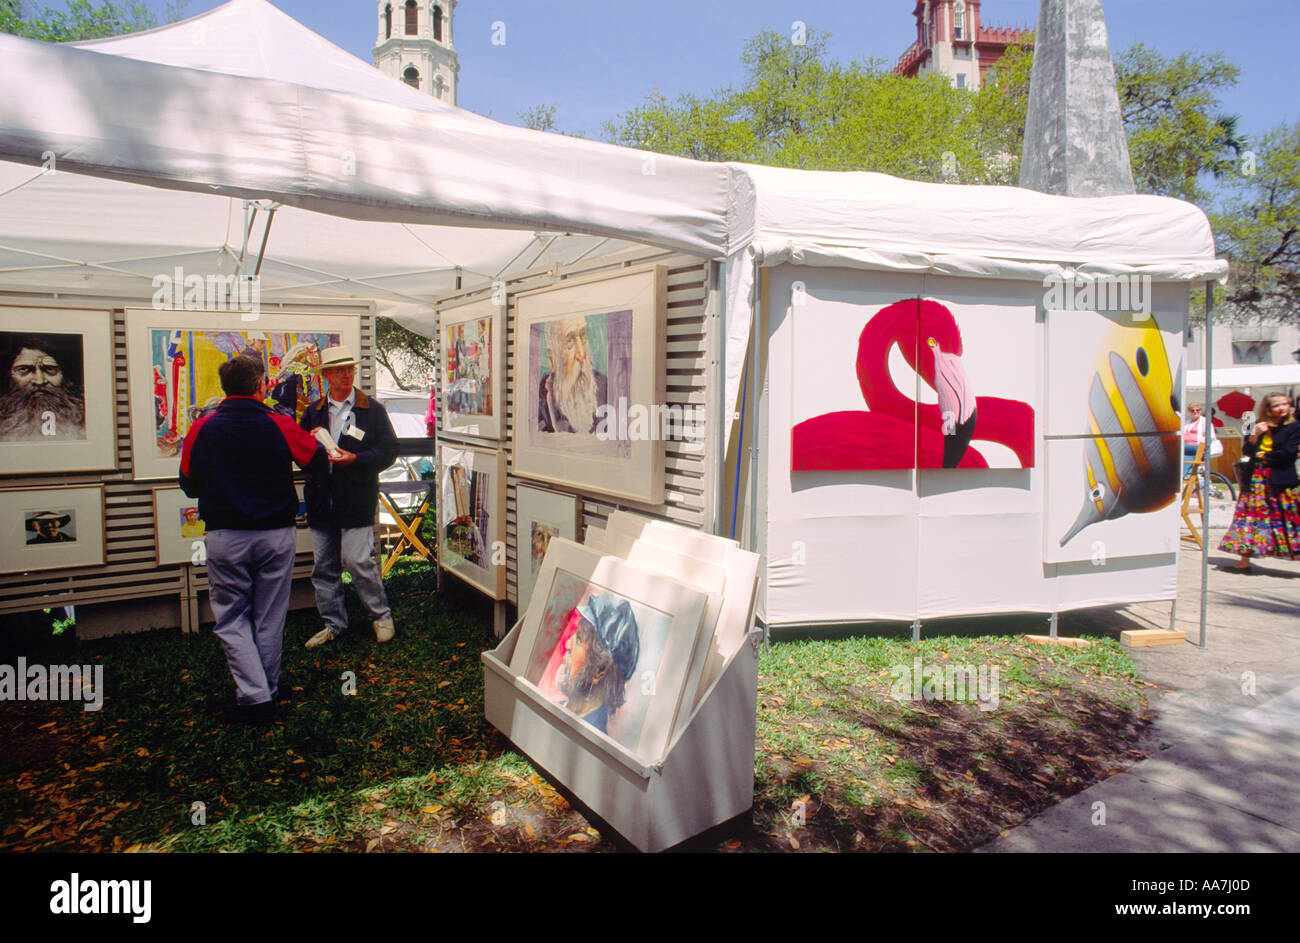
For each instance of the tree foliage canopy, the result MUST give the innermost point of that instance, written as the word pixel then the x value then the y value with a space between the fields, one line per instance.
pixel 80 19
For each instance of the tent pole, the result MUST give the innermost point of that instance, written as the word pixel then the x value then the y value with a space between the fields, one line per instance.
pixel 266 235
pixel 250 215
pixel 755 312
pixel 718 383
pixel 1208 412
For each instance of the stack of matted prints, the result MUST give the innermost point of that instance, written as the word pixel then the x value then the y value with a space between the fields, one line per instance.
pixel 628 632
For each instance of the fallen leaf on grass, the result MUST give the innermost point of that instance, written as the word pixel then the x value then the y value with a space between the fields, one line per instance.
pixel 528 828
pixel 431 809
pixel 794 843
pixel 388 829
pixel 370 845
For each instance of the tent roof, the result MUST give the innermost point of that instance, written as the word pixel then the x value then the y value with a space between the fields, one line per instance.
pixel 244 102
pixel 1281 374
pixel 254 39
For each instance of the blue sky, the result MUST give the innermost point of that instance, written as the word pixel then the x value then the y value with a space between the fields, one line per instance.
pixel 596 58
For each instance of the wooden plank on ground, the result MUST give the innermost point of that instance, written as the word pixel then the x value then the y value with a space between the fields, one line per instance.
pixel 1146 638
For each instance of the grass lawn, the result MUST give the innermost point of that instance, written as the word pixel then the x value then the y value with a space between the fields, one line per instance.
pixel 407 762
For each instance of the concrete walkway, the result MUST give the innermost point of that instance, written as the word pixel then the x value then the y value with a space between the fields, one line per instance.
pixel 1225 774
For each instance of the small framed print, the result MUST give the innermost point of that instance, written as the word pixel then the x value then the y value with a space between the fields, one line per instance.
pixel 540 515
pixel 56 391
pixel 471 516
pixel 179 532
pixel 51 528
pixel 473 369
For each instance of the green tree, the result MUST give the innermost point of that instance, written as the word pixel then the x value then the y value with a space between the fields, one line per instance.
pixel 82 19
pixel 1258 226
pixel 406 355
pixel 1176 134
pixel 797 108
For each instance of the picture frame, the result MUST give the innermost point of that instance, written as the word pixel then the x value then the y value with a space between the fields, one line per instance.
pixel 179 537
pixel 70 425
pixel 540 515
pixel 472 516
pixel 472 374
pixel 653 624
pixel 172 359
pixel 574 346
pixel 51 528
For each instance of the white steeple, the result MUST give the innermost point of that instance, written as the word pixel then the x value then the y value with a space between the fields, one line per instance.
pixel 415 45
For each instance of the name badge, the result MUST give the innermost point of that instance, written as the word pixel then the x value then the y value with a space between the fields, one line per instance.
pixel 355 432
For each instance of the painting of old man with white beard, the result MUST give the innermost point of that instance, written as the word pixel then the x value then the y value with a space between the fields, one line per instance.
pixel 570 393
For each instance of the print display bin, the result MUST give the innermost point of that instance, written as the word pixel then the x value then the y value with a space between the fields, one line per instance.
pixel 705 778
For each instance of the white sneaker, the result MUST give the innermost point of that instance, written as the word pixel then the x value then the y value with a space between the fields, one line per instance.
pixel 384 629
pixel 320 638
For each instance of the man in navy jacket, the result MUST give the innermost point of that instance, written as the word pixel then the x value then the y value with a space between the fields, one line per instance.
pixel 238 461
pixel 342 499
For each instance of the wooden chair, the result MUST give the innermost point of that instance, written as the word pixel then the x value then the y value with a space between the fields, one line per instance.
pixel 1192 488
pixel 408 522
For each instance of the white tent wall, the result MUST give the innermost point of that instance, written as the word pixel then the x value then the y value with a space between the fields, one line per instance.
pixel 846 547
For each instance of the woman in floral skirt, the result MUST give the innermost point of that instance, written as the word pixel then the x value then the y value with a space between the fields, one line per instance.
pixel 1266 522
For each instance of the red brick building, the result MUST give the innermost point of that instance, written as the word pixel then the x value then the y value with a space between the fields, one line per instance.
pixel 951 39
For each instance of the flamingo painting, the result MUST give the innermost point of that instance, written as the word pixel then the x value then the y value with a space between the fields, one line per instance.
pixel 895 431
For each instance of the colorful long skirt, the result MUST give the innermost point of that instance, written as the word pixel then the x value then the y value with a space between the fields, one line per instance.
pixel 1266 522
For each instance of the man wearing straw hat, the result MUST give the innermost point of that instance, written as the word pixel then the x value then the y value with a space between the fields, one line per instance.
pixel 342 500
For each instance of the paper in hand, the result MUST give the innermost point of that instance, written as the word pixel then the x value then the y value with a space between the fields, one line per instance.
pixel 324 438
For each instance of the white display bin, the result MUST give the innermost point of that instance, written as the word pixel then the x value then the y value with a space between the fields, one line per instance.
pixel 706 777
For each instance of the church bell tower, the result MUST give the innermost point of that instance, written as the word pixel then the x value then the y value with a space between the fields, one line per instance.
pixel 415 45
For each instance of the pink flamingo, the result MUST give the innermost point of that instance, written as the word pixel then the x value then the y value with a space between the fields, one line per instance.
pixel 897 432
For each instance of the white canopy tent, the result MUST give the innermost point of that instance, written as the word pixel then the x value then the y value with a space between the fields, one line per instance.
pixel 387 194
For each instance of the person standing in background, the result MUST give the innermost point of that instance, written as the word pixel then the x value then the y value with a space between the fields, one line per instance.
pixel 1266 522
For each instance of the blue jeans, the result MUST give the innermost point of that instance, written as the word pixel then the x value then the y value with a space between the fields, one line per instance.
pixel 250 573
pixel 352 549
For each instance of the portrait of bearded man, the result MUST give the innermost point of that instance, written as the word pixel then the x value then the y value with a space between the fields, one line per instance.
pixel 569 395
pixel 600 656
pixel 42 396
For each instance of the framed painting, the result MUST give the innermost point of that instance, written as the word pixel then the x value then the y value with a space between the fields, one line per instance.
pixel 540 515
pixel 51 528
pixel 172 360
pixel 1114 372
pixel 588 413
pixel 473 369
pixel 56 391
pixel 179 532
pixel 611 644
pixel 1111 496
pixel 471 516
pixel 919 383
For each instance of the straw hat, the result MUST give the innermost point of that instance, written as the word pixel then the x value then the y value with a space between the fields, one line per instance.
pixel 340 356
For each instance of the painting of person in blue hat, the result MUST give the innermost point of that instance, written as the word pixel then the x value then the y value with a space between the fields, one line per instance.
pixel 599 659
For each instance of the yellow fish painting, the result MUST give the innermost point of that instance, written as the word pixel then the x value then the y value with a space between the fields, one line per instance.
pixel 1131 465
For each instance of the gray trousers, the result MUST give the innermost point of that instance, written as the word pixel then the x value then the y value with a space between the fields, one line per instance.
pixel 352 549
pixel 250 573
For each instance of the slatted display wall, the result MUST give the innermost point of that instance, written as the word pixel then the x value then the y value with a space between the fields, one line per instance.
pixel 686 481
pixel 130 571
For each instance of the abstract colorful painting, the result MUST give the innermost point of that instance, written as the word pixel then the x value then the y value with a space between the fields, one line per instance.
pixel 174 356
pixel 472 369
pixel 186 386
pixel 944 386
